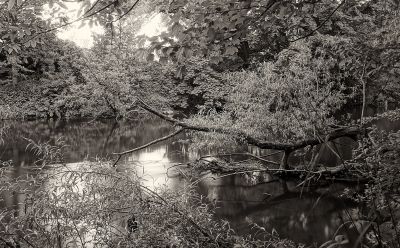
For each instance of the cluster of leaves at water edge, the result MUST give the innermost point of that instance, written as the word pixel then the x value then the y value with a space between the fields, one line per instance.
pixel 88 204
pixel 378 156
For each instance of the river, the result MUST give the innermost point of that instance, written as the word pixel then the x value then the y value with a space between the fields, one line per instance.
pixel 304 214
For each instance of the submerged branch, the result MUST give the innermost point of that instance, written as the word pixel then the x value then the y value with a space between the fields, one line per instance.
pixel 243 154
pixel 336 173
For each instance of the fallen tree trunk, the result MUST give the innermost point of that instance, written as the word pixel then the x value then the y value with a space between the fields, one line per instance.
pixel 288 148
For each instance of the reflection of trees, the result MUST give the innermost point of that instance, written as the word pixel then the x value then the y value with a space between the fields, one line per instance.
pixel 84 139
pixel 13 200
pixel 102 138
pixel 308 216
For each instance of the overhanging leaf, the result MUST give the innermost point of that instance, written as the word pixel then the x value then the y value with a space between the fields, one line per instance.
pixel 11 4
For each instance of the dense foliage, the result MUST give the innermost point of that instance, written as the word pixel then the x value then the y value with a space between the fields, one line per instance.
pixel 92 204
pixel 357 39
pixel 378 155
pixel 269 70
pixel 292 98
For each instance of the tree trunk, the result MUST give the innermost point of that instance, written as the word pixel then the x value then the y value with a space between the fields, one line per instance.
pixel 363 101
pixel 284 163
pixel 14 69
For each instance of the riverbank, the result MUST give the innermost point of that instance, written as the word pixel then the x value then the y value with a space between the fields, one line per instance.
pixel 49 99
pixel 58 99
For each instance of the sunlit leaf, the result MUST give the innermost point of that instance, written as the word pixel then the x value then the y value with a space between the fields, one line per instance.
pixel 230 50
pixel 11 4
pixel 62 5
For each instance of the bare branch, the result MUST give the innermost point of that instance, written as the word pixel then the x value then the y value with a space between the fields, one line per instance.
pixel 127 12
pixel 84 16
pixel 120 154
pixel 321 25
pixel 244 154
pixel 203 231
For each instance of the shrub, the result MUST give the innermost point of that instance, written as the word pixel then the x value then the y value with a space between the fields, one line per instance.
pixel 93 204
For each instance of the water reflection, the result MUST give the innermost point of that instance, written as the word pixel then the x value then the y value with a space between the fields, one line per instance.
pixel 303 214
pixel 151 165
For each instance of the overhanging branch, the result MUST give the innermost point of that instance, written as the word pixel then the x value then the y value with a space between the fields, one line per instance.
pixel 321 25
pixel 120 154
pixel 288 147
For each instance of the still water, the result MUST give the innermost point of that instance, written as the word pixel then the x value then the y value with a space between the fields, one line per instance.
pixel 249 202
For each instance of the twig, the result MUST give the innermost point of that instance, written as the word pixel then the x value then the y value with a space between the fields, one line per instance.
pixel 127 12
pixel 29 243
pixel 120 154
pixel 77 232
pixel 8 244
pixel 392 218
pixel 361 235
pixel 363 91
pixel 320 26
pixel 303 183
pixel 84 16
pixel 334 170
pixel 263 156
pixel 245 154
pixel 175 209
